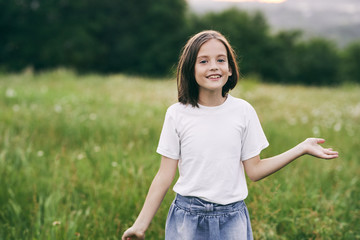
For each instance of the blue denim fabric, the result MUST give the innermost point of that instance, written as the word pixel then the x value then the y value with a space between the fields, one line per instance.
pixel 192 218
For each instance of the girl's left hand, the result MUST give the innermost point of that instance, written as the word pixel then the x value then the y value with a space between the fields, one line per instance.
pixel 312 147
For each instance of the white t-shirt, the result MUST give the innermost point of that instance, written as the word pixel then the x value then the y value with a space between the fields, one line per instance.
pixel 210 143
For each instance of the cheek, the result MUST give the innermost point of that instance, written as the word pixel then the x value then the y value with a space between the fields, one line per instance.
pixel 198 70
pixel 196 75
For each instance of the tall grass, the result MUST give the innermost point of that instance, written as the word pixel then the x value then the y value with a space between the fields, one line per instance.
pixel 77 155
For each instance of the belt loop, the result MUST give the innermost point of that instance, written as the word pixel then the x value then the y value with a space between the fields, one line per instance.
pixel 209 207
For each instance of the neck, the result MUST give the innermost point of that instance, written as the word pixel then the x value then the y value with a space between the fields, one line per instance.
pixel 211 99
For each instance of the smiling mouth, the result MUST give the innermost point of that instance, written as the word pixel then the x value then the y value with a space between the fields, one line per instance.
pixel 214 77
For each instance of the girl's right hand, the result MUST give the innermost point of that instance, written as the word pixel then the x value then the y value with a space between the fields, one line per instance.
pixel 133 234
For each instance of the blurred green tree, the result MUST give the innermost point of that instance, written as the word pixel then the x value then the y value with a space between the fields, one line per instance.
pixel 46 34
pixel 351 62
pixel 317 63
pixel 138 36
pixel 143 36
pixel 280 60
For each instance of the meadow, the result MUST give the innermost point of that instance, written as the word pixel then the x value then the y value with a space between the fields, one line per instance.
pixel 77 155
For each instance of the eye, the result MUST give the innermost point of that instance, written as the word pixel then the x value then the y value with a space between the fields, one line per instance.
pixel 203 61
pixel 221 60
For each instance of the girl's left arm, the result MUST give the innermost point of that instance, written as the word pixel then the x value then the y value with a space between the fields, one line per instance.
pixel 257 168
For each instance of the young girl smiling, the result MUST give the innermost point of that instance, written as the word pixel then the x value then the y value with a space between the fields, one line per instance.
pixel 213 139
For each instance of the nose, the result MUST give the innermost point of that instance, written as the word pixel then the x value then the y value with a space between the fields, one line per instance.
pixel 213 65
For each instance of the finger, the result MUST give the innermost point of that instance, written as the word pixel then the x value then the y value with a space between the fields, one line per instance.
pixel 320 140
pixel 125 237
pixel 330 151
pixel 331 154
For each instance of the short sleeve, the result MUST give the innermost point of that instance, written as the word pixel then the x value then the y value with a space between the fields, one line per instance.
pixel 253 139
pixel 169 143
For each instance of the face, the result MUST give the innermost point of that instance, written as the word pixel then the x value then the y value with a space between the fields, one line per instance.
pixel 212 69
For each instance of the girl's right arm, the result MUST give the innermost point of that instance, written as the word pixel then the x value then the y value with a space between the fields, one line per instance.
pixel 156 194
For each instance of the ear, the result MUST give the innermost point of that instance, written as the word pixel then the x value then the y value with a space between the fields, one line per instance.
pixel 230 71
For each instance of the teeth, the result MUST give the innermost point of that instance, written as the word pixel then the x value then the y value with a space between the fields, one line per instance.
pixel 214 76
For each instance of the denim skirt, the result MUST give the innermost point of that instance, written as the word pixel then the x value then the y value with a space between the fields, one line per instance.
pixel 191 218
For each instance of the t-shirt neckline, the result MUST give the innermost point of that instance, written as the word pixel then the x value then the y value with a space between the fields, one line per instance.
pixel 216 107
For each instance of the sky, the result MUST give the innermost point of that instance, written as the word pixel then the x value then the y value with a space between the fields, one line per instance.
pixel 338 20
pixel 262 1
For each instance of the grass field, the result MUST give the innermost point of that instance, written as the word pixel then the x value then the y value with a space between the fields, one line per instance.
pixel 77 155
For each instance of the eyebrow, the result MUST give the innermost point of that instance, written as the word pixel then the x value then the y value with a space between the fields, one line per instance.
pixel 205 56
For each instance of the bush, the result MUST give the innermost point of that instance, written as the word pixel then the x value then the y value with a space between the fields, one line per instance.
pixel 351 62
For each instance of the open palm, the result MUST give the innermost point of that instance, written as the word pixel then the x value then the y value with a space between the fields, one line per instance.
pixel 312 147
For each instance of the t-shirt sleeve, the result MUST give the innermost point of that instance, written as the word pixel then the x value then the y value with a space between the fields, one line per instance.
pixel 169 143
pixel 254 139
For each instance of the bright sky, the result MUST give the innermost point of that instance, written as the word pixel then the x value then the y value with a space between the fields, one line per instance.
pixel 263 1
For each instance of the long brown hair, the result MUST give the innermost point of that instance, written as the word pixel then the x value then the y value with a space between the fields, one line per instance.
pixel 188 89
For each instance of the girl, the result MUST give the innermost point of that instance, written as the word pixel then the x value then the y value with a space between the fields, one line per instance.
pixel 212 137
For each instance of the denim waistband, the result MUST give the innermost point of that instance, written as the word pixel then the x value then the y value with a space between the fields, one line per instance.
pixel 198 205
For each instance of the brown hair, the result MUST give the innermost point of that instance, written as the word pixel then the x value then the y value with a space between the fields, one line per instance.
pixel 188 89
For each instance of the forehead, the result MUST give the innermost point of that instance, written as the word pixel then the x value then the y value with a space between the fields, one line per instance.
pixel 212 47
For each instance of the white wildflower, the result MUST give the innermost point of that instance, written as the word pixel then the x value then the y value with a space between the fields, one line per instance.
pixel 16 108
pixel 40 153
pixel 10 93
pixel 55 223
pixel 304 119
pixel 92 116
pixel 97 148
pixel 80 156
pixel 57 108
pixel 316 131
pixel 337 127
pixel 316 112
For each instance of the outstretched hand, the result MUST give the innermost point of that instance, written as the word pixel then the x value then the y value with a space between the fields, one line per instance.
pixel 132 234
pixel 312 147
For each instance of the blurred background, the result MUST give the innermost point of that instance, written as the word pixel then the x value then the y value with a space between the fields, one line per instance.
pixel 283 41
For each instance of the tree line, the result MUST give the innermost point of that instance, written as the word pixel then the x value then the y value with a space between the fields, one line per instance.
pixel 144 37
